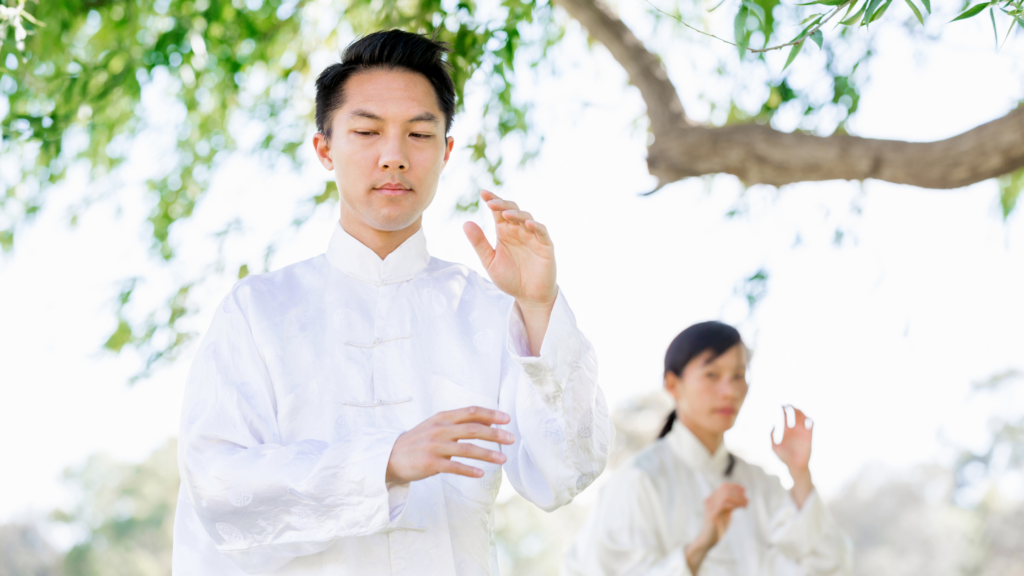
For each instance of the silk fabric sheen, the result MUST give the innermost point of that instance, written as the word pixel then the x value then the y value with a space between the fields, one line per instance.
pixel 309 374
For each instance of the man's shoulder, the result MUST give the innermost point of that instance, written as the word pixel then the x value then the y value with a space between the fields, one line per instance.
pixel 286 284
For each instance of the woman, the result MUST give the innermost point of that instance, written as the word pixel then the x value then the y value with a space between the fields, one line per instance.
pixel 686 505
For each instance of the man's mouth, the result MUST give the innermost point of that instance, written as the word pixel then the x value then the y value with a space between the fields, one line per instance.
pixel 392 189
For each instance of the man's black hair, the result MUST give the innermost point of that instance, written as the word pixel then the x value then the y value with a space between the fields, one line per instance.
pixel 386 50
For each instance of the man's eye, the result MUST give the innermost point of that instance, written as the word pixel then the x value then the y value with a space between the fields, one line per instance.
pixel 421 136
pixel 364 133
pixel 713 375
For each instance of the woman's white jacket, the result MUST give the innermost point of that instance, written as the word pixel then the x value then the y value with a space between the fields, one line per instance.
pixel 654 506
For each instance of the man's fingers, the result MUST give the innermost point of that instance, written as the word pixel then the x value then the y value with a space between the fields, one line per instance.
pixel 517 216
pixel 474 431
pixel 479 242
pixel 475 414
pixel 540 230
pixel 467 450
pixel 448 467
pixel 498 205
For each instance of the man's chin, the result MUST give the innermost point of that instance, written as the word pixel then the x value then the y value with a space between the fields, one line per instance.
pixel 393 222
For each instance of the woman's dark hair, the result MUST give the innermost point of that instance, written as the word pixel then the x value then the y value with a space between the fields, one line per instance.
pixel 692 342
pixel 386 50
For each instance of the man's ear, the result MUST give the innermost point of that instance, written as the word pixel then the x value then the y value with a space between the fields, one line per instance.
pixel 322 145
pixel 450 143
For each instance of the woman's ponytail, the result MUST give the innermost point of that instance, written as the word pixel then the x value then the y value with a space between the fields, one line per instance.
pixel 668 424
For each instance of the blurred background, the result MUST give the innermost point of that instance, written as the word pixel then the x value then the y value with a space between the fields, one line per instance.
pixel 153 154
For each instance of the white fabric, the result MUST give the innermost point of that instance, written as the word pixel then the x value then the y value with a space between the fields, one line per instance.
pixel 309 374
pixel 653 507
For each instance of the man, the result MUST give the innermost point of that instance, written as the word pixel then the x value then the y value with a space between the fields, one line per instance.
pixel 352 413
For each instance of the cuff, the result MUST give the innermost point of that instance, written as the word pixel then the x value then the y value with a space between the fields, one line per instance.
pixel 794 530
pixel 398 497
pixel 358 468
pixel 561 346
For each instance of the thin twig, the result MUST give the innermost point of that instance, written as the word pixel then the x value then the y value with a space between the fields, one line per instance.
pixel 756 50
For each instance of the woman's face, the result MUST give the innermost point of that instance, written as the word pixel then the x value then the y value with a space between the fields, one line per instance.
pixel 710 393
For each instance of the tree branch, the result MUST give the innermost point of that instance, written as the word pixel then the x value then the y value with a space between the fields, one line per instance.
pixel 645 69
pixel 761 155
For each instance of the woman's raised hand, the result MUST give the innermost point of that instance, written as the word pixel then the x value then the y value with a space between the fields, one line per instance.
pixel 795 452
pixel 795 448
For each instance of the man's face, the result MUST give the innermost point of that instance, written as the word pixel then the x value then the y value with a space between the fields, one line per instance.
pixel 387 149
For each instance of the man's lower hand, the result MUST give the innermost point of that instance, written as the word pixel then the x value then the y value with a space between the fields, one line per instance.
pixel 428 448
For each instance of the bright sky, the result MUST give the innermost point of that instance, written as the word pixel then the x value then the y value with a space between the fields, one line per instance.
pixel 877 339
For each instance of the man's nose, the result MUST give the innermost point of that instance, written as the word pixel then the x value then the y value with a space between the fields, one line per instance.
pixel 393 156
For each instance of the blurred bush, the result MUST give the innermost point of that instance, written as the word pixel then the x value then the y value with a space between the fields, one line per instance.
pixel 124 516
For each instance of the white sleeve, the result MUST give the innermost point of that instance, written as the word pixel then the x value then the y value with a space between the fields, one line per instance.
pixel 622 534
pixel 263 502
pixel 808 536
pixel 559 415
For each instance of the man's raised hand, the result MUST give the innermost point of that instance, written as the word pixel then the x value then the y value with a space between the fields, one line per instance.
pixel 522 261
pixel 428 448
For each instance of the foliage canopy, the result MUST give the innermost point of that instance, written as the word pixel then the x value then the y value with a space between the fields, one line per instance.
pixel 73 75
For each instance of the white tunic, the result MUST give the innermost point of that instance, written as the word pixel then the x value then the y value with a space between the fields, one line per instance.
pixel 309 374
pixel 653 507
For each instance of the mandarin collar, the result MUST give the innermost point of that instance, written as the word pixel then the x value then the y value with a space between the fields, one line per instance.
pixel 355 259
pixel 694 453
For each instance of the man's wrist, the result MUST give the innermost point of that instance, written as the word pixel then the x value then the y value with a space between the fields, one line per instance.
pixel 531 307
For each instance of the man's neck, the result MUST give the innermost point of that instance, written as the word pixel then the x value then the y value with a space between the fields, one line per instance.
pixel 382 242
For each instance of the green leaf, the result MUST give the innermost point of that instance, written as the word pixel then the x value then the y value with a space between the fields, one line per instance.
pixel 817 37
pixel 793 53
pixel 121 336
pixel 809 18
pixel 243 271
pixel 970 12
pixel 1010 187
pixel 995 31
pixel 740 30
pixel 927 5
pixel 855 18
pixel 869 11
pixel 825 2
pixel 878 13
pixel 756 10
pixel 916 11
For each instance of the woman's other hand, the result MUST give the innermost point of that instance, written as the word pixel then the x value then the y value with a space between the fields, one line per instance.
pixel 717 514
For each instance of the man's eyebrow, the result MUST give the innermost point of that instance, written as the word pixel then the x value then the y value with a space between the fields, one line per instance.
pixel 424 117
pixel 365 114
